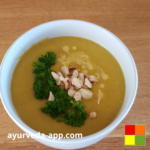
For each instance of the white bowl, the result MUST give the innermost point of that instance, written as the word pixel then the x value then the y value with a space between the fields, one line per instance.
pixel 70 28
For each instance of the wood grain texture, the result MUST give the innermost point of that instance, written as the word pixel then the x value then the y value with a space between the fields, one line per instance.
pixel 128 19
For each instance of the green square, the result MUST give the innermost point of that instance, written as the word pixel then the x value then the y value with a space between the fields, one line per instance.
pixel 139 139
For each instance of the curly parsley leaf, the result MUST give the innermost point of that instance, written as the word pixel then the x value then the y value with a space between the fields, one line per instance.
pixel 62 108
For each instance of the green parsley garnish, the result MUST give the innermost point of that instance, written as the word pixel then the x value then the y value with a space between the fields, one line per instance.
pixel 63 108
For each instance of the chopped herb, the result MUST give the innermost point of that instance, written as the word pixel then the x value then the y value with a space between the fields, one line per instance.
pixel 77 116
pixel 63 107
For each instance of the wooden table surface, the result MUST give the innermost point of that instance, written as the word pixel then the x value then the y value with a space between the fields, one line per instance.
pixel 128 19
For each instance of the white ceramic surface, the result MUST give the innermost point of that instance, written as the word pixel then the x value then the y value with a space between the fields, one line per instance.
pixel 69 28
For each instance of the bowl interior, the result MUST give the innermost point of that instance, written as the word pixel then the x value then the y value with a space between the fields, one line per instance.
pixel 69 28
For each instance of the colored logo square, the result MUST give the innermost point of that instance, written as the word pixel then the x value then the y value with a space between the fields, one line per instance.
pixel 129 139
pixel 139 139
pixel 140 129
pixel 129 129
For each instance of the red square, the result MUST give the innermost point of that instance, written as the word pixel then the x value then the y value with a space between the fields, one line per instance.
pixel 129 129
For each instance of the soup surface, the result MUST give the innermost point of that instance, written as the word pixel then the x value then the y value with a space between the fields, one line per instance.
pixel 69 51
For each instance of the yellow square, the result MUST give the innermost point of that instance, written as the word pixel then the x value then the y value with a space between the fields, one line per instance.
pixel 129 139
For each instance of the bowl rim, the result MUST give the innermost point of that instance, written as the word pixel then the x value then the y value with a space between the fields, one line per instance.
pixel 102 132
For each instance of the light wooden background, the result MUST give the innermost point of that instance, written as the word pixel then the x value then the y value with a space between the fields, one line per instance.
pixel 128 19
